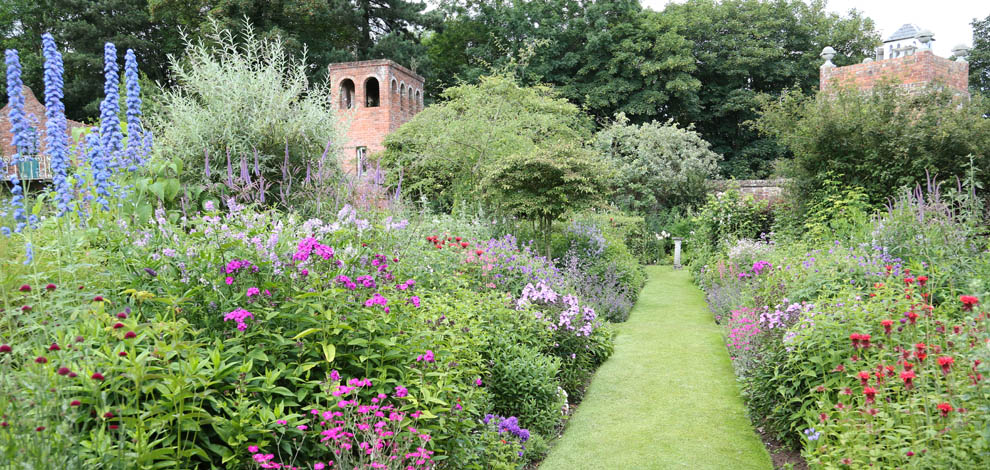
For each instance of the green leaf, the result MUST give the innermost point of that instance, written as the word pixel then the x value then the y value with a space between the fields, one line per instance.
pixel 329 352
pixel 305 333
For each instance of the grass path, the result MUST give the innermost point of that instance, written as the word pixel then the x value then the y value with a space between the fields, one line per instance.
pixel 667 398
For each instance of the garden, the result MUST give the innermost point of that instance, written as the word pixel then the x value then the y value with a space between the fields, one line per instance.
pixel 201 281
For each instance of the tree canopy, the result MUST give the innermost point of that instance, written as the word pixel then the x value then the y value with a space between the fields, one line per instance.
pixel 979 58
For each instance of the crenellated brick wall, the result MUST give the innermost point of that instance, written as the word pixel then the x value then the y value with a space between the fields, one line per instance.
pixel 913 71
pixel 400 97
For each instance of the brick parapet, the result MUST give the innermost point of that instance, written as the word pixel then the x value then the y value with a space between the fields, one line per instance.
pixel 913 71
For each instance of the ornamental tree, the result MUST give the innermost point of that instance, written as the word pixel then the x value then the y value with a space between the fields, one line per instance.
pixel 659 165
pixel 544 184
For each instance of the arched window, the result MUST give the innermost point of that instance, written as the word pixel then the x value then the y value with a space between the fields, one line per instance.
pixel 402 97
pixel 346 94
pixel 419 102
pixel 371 97
pixel 409 97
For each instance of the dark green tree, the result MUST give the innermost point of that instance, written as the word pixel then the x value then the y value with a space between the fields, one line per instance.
pixel 81 28
pixel 979 57
pixel 743 48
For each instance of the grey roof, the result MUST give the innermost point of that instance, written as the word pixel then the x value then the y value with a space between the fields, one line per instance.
pixel 906 31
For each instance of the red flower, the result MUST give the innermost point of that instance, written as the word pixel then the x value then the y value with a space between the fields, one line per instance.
pixel 26 308
pixel 25 288
pixel 122 316
pixel 457 238
pixel 823 417
pixel 889 268
pixel 945 362
pixel 945 408
pixel 96 376
pixel 98 298
pixel 871 394
pixel 922 280
pixel 63 370
pixel 4 348
pixel 108 415
pixel 479 252
pixel 39 428
pixel 113 427
pixel 122 354
pixel 956 329
pixel 887 324
pixel 854 337
pixel 908 281
pixel 921 356
pixel 72 375
pixel 118 325
pixel 50 287
pixel 968 301
pixel 913 317
pixel 130 334
pixel 908 378
pixel 465 244
pixel 41 360
pixel 908 365
pixel 864 377
pixel 865 339
pixel 75 403
pixel 54 347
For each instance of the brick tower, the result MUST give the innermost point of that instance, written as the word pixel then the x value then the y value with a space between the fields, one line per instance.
pixel 374 97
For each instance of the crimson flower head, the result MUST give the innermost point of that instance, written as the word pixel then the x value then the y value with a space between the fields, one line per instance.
pixel 457 238
pixel 25 308
pixel 98 298
pixel 118 325
pixel 130 334
pixel 39 428
pixel 945 362
pixel 25 288
pixel 4 348
pixel 887 324
pixel 968 301
pixel 54 347
pixel 922 280
pixel 908 377
pixel 96 376
pixel 75 403
pixel 50 287
pixel 870 393
pixel 920 347
pixel 854 337
pixel 122 315
pixel 113 427
pixel 908 281
pixel 122 354
pixel 864 377
pixel 945 409
pixel 913 317
pixel 108 415
pixel 41 360
pixel 63 370
pixel 865 340
pixel 479 252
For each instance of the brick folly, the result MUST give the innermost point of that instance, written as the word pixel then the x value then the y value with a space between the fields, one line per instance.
pixel 374 98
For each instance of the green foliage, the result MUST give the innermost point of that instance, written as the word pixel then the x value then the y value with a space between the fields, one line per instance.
pixel 248 100
pixel 658 165
pixel 523 383
pixel 729 215
pixel 979 56
pixel 444 150
pixel 835 211
pixel 884 139
pixel 545 183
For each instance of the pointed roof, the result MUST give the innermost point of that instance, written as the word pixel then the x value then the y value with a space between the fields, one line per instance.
pixel 906 31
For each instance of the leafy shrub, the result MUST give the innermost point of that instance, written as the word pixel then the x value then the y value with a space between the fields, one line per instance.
pixel 244 99
pixel 659 165
pixel 876 139
pixel 501 118
pixel 524 380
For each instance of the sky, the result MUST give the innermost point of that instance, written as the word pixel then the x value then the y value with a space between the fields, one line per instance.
pixel 947 19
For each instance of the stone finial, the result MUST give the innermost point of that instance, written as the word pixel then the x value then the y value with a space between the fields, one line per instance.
pixel 925 37
pixel 961 51
pixel 828 53
pixel 868 60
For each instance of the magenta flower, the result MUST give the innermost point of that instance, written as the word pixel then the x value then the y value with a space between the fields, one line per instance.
pixel 239 316
pixel 97 376
pixel 4 348
pixel 229 280
pixel 253 291
pixel 401 392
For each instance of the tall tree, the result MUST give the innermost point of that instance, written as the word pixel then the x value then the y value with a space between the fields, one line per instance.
pixel 743 48
pixel 979 58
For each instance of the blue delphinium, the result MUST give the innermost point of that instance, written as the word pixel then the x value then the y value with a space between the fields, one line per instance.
pixel 56 127
pixel 135 130
pixel 21 133
pixel 110 134
pixel 28 253
pixel 99 161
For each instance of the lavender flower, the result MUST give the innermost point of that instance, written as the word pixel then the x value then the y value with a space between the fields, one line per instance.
pixel 99 161
pixel 110 134
pixel 134 127
pixel 56 127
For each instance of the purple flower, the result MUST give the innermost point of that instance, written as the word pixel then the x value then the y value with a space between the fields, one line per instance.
pixel 253 291
pixel 239 315
pixel 401 392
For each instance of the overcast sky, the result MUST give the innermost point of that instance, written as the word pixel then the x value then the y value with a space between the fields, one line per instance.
pixel 948 19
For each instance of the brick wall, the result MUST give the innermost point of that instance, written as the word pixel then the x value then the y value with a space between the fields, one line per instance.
pixel 400 97
pixel 34 111
pixel 770 190
pixel 913 71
